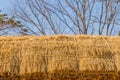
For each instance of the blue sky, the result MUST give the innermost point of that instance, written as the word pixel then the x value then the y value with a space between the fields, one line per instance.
pixel 5 4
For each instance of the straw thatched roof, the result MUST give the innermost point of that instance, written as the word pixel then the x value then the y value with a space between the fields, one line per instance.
pixel 26 54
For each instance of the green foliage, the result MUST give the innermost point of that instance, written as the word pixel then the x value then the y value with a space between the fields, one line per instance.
pixel 5 20
pixel 7 23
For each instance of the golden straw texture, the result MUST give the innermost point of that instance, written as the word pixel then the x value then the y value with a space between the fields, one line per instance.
pixel 28 54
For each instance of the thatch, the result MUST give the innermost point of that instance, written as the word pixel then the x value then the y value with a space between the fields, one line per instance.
pixel 28 54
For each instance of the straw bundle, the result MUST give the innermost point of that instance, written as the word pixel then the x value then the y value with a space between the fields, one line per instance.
pixel 28 54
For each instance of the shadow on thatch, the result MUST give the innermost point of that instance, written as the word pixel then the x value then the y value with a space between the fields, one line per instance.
pixel 64 75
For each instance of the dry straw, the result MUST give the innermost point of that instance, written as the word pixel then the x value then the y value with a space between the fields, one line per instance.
pixel 27 54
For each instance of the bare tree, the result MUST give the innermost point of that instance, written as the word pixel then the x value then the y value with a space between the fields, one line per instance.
pixel 108 17
pixel 37 18
pixel 43 17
